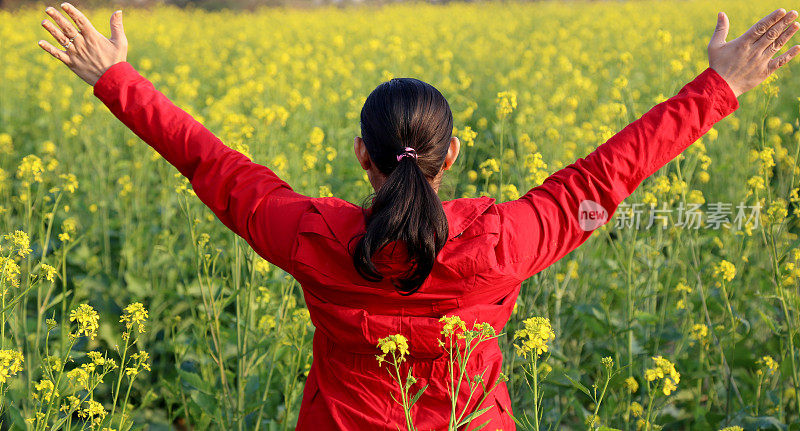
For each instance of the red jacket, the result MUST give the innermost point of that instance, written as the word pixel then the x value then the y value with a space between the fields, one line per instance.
pixel 491 248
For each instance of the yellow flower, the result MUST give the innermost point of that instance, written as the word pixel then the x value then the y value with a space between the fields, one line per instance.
pixel 10 364
pixel 49 272
pixel 70 404
pixel 535 336
pixel 769 364
pixel 93 411
pixel 45 390
pixel 636 409
pixel 86 318
pixel 468 135
pixel 30 170
pixel 6 143
pixel 452 324
pixel 126 185
pixel 9 271
pixel 70 182
pixel 683 287
pixel 139 360
pixel 395 344
pixel 664 369
pixel 725 270
pixel 20 241
pixel 317 136
pixel 325 191
pixel 631 384
pixel 699 333
pixel 488 167
pixel 506 103
pixel 135 314
pixel 261 266
pixel 68 227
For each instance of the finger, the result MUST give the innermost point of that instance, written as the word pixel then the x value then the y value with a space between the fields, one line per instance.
pixel 758 29
pixel 67 28
pixel 80 19
pixel 776 30
pixel 787 56
pixel 56 32
pixel 721 32
pixel 55 52
pixel 787 34
pixel 117 31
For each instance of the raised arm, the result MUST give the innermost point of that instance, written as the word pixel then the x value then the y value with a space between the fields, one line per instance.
pixel 554 218
pixel 247 197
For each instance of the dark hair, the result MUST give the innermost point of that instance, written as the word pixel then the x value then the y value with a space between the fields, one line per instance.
pixel 405 112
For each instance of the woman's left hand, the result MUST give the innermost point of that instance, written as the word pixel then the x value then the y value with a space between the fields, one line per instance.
pixel 87 52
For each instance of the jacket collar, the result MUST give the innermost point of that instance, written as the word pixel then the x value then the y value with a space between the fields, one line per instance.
pixel 345 218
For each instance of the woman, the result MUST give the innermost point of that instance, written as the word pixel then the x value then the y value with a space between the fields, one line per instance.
pixel 409 259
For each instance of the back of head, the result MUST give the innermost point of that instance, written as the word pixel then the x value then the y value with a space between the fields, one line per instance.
pixel 400 113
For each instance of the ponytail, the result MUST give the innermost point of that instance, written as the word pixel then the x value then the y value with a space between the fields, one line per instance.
pixel 405 113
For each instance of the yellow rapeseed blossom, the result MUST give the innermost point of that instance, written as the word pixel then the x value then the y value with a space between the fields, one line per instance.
pixel 125 185
pixel 636 409
pixel 139 361
pixel 699 333
pixel 316 137
pixel 6 143
pixel 664 369
pixel 261 266
pixel 20 242
pixel 631 384
pixel 45 390
pixel 49 272
pixel 70 182
pixel 10 363
pixel 93 411
pixel 467 136
pixel 767 364
pixel 725 270
pixel 135 314
pixel 452 324
pixel 395 344
pixel 488 167
pixel 506 103
pixel 87 320
pixel 535 335
pixel 30 170
pixel 325 191
pixel 68 227
pixel 9 271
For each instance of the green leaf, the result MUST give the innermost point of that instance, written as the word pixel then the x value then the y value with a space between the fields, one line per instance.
pixel 482 425
pixel 472 416
pixel 58 424
pixel 419 394
pixel 578 385
pixel 194 380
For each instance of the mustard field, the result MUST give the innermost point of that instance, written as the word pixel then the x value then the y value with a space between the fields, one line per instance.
pixel 125 304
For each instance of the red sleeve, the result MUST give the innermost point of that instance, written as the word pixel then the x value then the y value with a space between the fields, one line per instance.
pixel 550 220
pixel 247 197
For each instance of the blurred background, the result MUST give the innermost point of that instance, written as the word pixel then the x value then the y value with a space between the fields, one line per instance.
pixel 203 4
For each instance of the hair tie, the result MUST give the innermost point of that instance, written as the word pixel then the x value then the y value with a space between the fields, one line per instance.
pixel 407 152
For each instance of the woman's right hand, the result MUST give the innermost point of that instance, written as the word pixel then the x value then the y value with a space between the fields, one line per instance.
pixel 87 52
pixel 747 60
